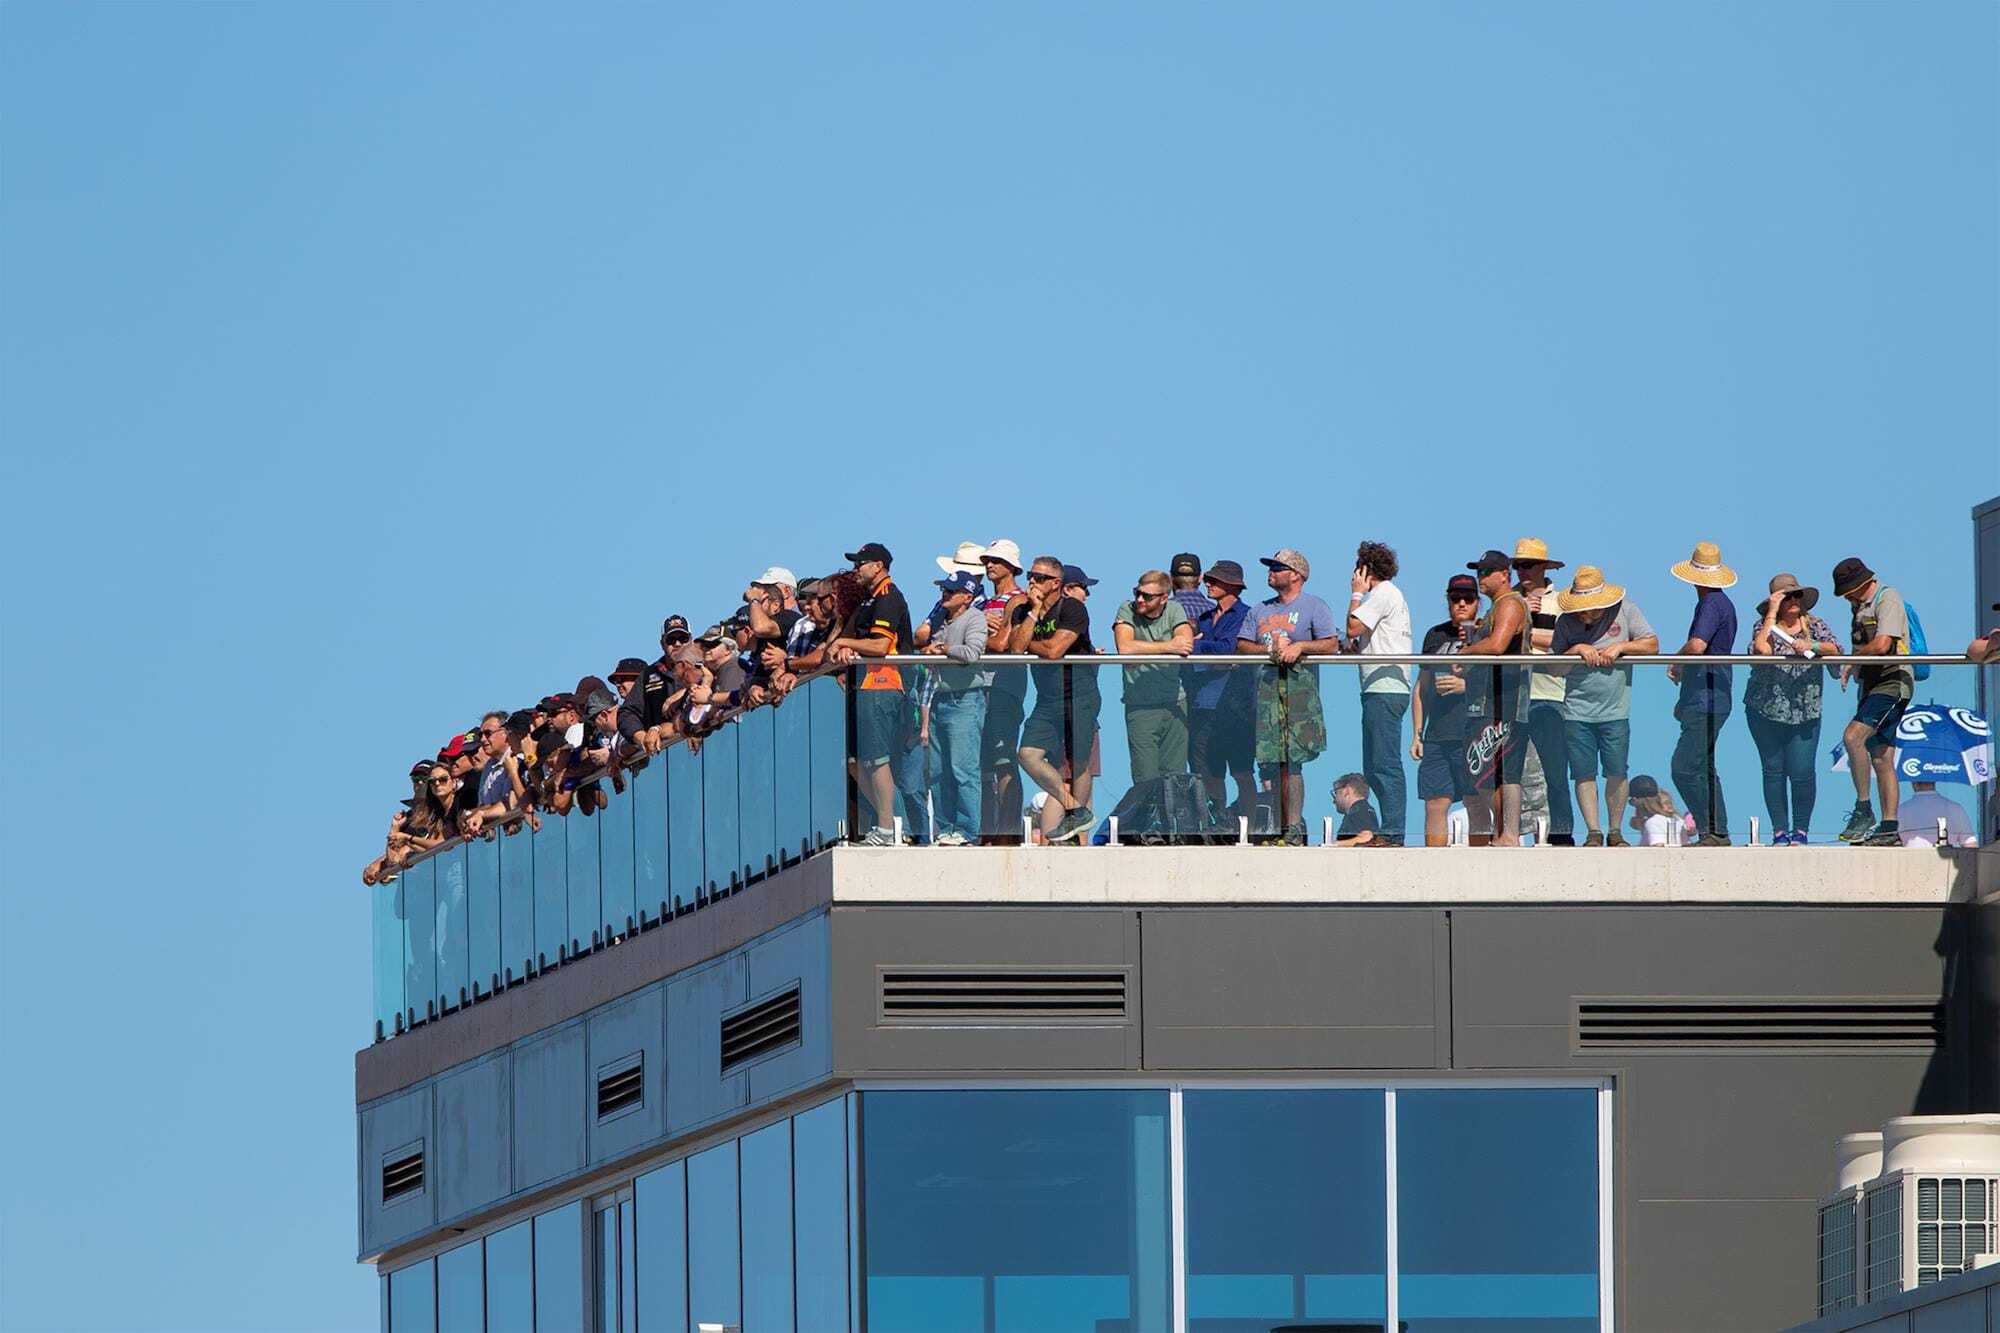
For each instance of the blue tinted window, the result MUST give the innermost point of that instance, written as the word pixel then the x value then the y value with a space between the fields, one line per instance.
pixel 1496 1203
pixel 767 1228
pixel 715 1293
pixel 510 1280
pixel 559 1270
pixel 660 1199
pixel 413 1299
pixel 461 1284
pixel 819 1175
pixel 604 1257
pixel 1016 1211
pixel 1286 1210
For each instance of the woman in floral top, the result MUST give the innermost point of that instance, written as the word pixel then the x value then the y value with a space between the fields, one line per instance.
pixel 1783 704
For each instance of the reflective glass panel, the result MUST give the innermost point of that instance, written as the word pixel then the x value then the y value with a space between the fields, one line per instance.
pixel 791 741
pixel 1012 1211
pixel 628 1266
pixel 584 904
pixel 454 965
pixel 420 933
pixel 715 1294
pixel 829 759
pixel 386 930
pixel 510 1280
pixel 604 1255
pixel 461 1285
pixel 649 839
pixel 724 866
pixel 482 911
pixel 1496 1205
pixel 684 799
pixel 767 1228
pixel 517 902
pixel 660 1200
pixel 1286 1210
pixel 756 791
pixel 618 908
pixel 559 1269
pixel 551 889
pixel 819 1205
pixel 413 1299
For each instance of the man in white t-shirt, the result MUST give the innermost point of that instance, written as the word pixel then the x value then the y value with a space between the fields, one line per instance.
pixel 1920 813
pixel 1378 624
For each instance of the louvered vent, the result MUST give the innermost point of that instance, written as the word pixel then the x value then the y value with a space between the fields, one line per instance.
pixel 622 1088
pixel 1004 996
pixel 1603 1024
pixel 766 1026
pixel 403 1174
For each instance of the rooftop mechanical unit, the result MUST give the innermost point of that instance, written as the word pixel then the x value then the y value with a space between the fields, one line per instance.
pixel 1911 1205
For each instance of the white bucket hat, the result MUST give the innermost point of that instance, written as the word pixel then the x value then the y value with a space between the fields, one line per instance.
pixel 1004 550
pixel 966 557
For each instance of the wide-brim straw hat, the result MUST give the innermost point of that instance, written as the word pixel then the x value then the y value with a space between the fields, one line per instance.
pixel 1533 550
pixel 1782 584
pixel 1589 592
pixel 1705 568
pixel 970 557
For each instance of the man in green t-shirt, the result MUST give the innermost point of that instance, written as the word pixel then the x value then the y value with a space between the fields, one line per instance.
pixel 1155 714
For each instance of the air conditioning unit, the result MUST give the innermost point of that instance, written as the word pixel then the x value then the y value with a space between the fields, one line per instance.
pixel 1911 1205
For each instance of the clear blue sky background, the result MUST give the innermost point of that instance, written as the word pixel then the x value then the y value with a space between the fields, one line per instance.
pixel 366 366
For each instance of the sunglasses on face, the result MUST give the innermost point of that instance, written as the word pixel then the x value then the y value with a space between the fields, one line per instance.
pixel 440 781
pixel 1462 597
pixel 1140 594
pixel 1044 578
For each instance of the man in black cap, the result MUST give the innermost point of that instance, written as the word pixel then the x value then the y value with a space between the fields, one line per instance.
pixel 882 624
pixel 1881 629
pixel 1185 571
pixel 1497 707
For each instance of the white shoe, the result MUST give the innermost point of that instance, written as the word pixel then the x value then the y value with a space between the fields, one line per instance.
pixel 879 837
pixel 949 838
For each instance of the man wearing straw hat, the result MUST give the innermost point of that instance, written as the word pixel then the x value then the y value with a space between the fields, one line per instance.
pixel 1545 688
pixel 1705 699
pixel 1600 626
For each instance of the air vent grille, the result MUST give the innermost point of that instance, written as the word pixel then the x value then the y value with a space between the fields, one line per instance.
pixel 766 1026
pixel 1004 996
pixel 403 1174
pixel 1603 1024
pixel 622 1088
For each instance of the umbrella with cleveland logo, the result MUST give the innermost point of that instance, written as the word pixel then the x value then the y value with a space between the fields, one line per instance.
pixel 1938 743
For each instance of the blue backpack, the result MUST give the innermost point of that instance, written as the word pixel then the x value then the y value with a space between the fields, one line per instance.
pixel 1915 643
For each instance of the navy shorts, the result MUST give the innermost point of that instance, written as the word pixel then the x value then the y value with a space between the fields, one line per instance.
pixel 1881 712
pixel 1062 731
pixel 1441 773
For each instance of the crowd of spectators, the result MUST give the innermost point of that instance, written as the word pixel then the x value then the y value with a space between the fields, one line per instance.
pixel 955 739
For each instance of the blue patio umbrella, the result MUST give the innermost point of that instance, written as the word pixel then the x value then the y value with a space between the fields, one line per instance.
pixel 1940 743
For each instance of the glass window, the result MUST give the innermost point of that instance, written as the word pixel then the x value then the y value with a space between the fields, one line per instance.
pixel 413 1299
pixel 1005 1212
pixel 1496 1207
pixel 819 1205
pixel 715 1294
pixel 1286 1214
pixel 510 1280
pixel 559 1269
pixel 660 1200
pixel 767 1229
pixel 604 1258
pixel 461 1284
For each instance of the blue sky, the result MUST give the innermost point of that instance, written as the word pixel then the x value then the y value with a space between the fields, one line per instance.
pixel 367 366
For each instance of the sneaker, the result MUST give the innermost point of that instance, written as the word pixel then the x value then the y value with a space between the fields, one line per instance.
pixel 1615 839
pixel 1387 840
pixel 1884 834
pixel 1593 839
pixel 879 837
pixel 1712 840
pixel 949 838
pixel 1781 839
pixel 1074 825
pixel 1563 840
pixel 1798 837
pixel 1859 821
pixel 1293 836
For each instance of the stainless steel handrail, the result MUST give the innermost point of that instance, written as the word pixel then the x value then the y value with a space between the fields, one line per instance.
pixel 1414 659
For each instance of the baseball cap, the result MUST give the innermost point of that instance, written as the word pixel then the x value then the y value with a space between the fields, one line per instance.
pixel 870 551
pixel 958 582
pixel 1461 585
pixel 554 703
pixel 713 634
pixel 422 768
pixel 674 629
pixel 1074 577
pixel 1491 562
pixel 1226 571
pixel 1642 787
pixel 777 574
pixel 1186 563
pixel 1288 559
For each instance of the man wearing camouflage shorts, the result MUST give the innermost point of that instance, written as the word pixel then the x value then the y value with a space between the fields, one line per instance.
pixel 1291 727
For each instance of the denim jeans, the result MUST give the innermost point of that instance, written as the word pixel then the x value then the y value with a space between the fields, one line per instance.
pixel 1382 757
pixel 1693 768
pixel 1787 751
pixel 1545 733
pixel 913 769
pixel 958 721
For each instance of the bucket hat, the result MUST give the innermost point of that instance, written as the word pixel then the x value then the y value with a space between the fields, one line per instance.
pixel 1850 574
pixel 1589 592
pixel 1004 550
pixel 1226 571
pixel 1704 569
pixel 1787 583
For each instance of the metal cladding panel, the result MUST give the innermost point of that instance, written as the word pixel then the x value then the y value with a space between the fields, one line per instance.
pixel 865 941
pixel 474 1164
pixel 634 1026
pixel 387 1127
pixel 792 957
pixel 1964 1313
pixel 550 1088
pixel 1278 988
pixel 698 1093
pixel 1738 1266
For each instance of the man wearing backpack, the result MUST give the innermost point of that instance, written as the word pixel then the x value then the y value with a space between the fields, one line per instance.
pixel 1881 629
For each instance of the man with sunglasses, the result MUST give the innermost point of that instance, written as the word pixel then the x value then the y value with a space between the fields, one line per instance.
pixel 1221 700
pixel 1007 700
pixel 882 625
pixel 500 787
pixel 1063 726
pixel 1153 623
pixel 1291 725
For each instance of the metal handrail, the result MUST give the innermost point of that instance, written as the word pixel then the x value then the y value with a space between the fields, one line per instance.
pixel 1415 659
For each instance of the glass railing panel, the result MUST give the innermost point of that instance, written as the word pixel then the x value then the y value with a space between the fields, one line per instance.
pixel 617 907
pixel 650 892
pixel 722 859
pixel 386 935
pixel 551 889
pixel 517 903
pixel 454 957
pixel 791 745
pixel 585 901
pixel 482 913
pixel 828 726
pixel 1003 791
pixel 685 862
pixel 756 791
pixel 420 941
